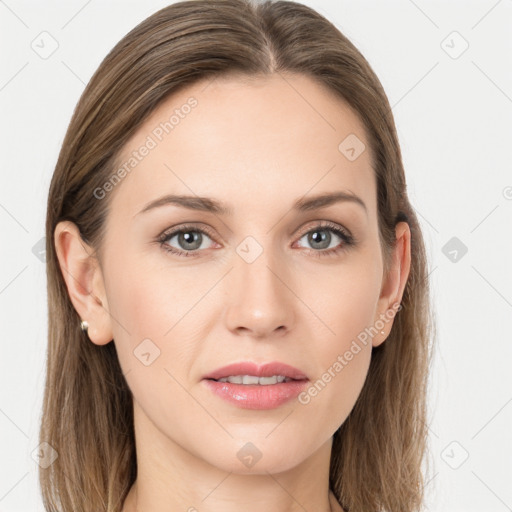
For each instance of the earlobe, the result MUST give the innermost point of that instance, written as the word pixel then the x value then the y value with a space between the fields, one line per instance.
pixel 84 281
pixel 393 285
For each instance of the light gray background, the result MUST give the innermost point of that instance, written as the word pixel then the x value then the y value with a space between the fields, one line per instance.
pixel 453 114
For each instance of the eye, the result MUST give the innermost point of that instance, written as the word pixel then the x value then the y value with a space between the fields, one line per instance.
pixel 188 238
pixel 321 240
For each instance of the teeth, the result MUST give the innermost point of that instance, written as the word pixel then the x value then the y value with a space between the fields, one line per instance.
pixel 251 379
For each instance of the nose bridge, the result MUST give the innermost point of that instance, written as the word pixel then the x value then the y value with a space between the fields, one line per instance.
pixel 260 301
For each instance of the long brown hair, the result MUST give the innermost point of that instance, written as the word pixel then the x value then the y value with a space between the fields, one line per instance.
pixel 87 408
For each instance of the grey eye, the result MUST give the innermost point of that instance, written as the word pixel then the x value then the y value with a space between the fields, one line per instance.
pixel 321 238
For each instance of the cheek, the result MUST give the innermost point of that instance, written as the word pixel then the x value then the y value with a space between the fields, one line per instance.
pixel 152 318
pixel 345 302
pixel 146 311
pixel 148 300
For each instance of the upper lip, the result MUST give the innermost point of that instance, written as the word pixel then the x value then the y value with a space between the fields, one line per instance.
pixel 250 368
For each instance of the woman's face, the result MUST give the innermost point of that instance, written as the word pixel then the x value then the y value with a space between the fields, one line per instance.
pixel 264 281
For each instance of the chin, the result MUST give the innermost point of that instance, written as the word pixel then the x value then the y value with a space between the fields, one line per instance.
pixel 250 458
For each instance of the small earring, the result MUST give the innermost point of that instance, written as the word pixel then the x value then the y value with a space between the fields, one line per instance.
pixel 382 332
pixel 84 325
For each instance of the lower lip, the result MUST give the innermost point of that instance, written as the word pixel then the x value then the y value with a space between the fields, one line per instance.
pixel 257 396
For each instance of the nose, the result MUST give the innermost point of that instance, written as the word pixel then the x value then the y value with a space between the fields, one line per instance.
pixel 261 303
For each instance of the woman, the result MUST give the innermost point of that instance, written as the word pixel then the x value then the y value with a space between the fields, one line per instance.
pixel 238 300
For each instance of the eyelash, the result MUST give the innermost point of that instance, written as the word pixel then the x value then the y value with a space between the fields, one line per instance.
pixel 348 239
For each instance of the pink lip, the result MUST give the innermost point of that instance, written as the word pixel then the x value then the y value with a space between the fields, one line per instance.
pixel 257 396
pixel 250 368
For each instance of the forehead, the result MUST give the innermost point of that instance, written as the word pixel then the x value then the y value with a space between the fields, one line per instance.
pixel 242 140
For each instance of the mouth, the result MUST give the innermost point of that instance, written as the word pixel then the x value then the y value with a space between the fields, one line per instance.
pixel 254 380
pixel 249 386
pixel 247 373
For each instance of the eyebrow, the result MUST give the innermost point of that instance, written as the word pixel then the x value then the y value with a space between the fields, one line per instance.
pixel 207 204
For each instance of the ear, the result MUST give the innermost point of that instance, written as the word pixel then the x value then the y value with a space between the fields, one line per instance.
pixel 394 283
pixel 84 281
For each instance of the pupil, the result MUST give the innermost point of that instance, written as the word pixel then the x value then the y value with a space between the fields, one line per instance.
pixel 186 238
pixel 322 239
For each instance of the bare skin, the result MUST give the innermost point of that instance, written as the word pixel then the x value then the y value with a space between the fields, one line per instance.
pixel 257 147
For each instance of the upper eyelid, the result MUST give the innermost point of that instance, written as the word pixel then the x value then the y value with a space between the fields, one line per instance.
pixel 325 224
pixel 171 232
